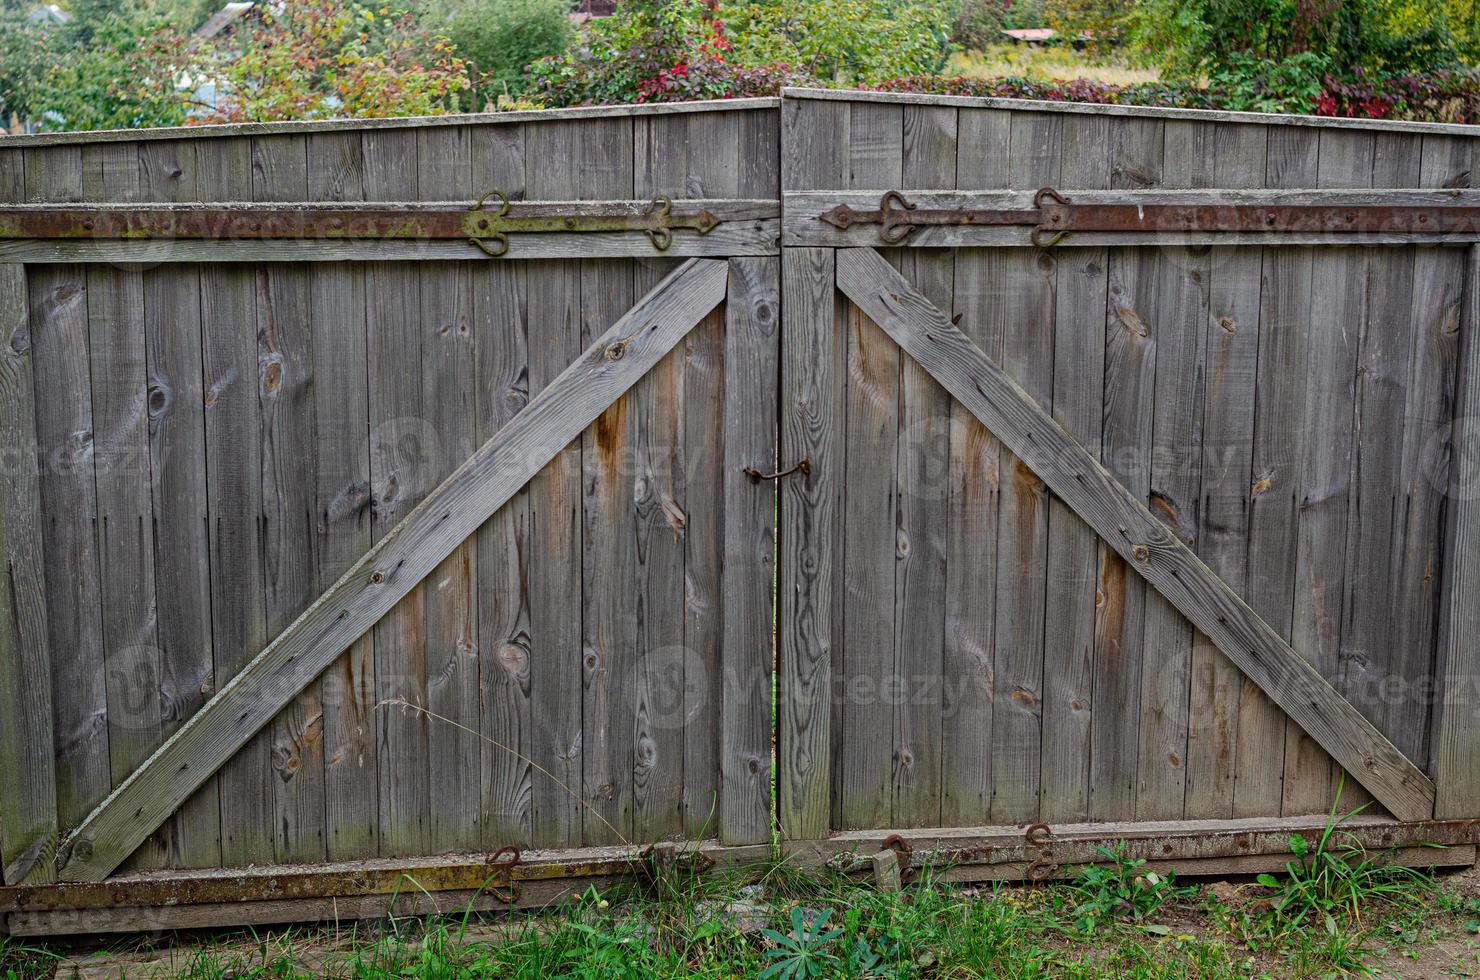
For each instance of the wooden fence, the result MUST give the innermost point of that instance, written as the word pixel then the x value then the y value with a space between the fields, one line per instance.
pixel 333 542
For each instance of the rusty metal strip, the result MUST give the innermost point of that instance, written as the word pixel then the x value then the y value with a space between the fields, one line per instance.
pixel 1053 216
pixel 487 228
pixel 1039 849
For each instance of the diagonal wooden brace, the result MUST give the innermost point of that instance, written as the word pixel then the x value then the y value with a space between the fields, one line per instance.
pixel 388 571
pixel 1077 478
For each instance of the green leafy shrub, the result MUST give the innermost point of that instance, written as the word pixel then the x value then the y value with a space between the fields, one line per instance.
pixel 78 75
pixel 858 41
pixel 317 60
pixel 502 38
pixel 1250 83
pixel 656 51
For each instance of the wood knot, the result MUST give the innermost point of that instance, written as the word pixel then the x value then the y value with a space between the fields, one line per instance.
pixel 617 351
pixel 1228 323
pixel 1142 553
pixel 376 577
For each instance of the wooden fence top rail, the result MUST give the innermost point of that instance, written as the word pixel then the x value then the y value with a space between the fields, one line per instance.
pixel 405 122
pixel 1155 112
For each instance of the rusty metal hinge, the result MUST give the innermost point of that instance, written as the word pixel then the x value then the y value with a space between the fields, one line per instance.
pixel 1054 216
pixel 658 220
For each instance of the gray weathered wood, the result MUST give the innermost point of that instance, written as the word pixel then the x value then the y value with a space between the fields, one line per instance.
pixel 922 510
pixel 1126 440
pixel 1167 563
pixel 1344 159
pixel 289 439
pixel 177 458
pixel 398 561
pixel 1457 735
pixel 342 507
pixel 1237 159
pixel 405 460
pixel 790 95
pixel 867 749
pixel 481 120
pixel 751 362
pixel 1277 442
pixel 974 479
pixel 449 399
pixel 1072 563
pixel 28 800
pixel 1026 294
pixel 501 328
pixel 1433 324
pixel 811 428
pixel 68 493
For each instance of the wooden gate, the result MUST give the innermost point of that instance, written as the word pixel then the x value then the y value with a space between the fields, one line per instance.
pixel 1135 523
pixel 373 545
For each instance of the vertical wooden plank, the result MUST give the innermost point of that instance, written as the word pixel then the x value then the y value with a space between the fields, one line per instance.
pixel 1073 549
pixel 1457 733
pixel 1025 292
pixel 871 535
pixel 814 154
pixel 751 352
pixel 1418 549
pixel 657 423
pixel 500 325
pixel 64 434
pixel 168 172
pixel 1369 663
pixel 922 508
pixel 1177 316
pixel 233 493
pixel 126 521
pixel 811 428
pixel 343 507
pixel 405 456
pixel 1231 363
pixel 1274 503
pixel 12 176
pixel 449 349
pixel 971 539
pixel 1126 440
pixel 554 310
pixel 28 787
pixel 1344 160
pixel 286 382
pixel 53 174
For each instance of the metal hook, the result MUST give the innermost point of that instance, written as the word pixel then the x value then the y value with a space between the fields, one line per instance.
pixel 499 238
pixel 660 208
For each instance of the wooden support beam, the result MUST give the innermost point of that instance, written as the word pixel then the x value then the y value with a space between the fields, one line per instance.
pixel 392 568
pixel 1149 546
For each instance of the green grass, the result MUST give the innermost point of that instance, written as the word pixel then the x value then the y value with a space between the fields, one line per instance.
pixel 1043 63
pixel 1116 920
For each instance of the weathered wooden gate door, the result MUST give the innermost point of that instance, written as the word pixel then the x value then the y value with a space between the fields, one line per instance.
pixel 1139 525
pixel 349 541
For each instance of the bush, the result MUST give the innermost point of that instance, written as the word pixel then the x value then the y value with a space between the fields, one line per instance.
pixel 503 38
pixel 656 51
pixel 318 60
pixel 857 41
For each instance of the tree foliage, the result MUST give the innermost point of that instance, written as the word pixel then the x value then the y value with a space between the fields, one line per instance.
pixel 502 38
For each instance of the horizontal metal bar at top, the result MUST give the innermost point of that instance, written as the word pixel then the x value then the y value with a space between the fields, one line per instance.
pixel 1048 217
pixel 376 231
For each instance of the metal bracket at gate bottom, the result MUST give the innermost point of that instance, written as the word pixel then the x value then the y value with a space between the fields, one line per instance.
pixel 1054 216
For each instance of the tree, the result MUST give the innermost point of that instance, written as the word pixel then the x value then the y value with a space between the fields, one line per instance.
pixel 503 38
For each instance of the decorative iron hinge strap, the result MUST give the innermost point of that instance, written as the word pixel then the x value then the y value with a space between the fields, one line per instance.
pixel 488 228
pixel 1054 216
pixel 658 220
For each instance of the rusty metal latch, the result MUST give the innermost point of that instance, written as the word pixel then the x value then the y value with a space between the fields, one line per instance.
pixel 802 466
pixel 489 228
pixel 1053 216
